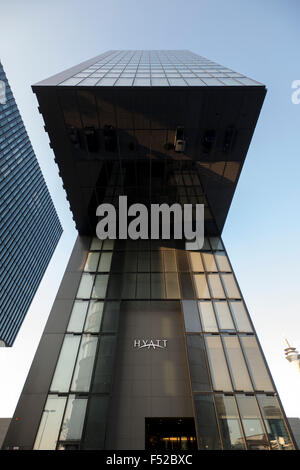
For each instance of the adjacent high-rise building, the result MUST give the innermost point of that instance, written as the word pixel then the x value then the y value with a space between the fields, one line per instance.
pixel 149 344
pixel 29 226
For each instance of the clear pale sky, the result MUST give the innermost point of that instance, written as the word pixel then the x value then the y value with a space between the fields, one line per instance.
pixel 259 38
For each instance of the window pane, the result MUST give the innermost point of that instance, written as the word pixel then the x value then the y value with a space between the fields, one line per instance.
pixel 129 286
pixel 207 424
pixel 92 262
pixel 223 316
pixel 78 316
pixel 95 428
pixel 99 290
pixel 222 261
pixel 144 262
pixel 229 423
pixel 209 262
pixel 85 286
pixel 131 261
pixel 197 363
pixel 274 422
pixel 191 316
pixel 201 286
pixel 73 419
pixel 104 365
pixel 47 435
pixel 187 291
pixel 236 362
pixel 84 364
pixel 157 261
pixel 108 244
pixel 172 287
pixel 65 365
pixel 157 286
pixel 170 262
pixel 94 317
pixel 217 363
pixel 255 436
pixel 182 261
pixel 230 286
pixel 207 317
pixel 105 262
pixel 143 286
pixel 118 262
pixel 196 262
pixel 96 244
pixel 215 285
pixel 240 316
pixel 111 317
pixel 216 243
pixel 256 364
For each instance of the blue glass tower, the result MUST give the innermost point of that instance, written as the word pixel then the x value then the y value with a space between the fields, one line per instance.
pixel 29 226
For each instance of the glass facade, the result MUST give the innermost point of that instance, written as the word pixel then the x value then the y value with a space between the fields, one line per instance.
pixel 236 405
pixel 29 226
pixel 156 68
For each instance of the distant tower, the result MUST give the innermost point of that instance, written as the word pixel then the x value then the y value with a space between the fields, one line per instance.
pixel 292 355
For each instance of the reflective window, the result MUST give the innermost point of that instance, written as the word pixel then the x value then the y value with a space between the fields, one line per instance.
pixel 105 262
pixel 229 423
pixel 156 261
pixel 129 286
pixel 104 364
pixel 207 315
pixel 256 364
pixel 182 261
pixel 73 418
pixel 111 317
pixel 187 291
pixel 207 424
pixel 99 290
pixel 239 373
pixel 94 317
pixel 274 422
pixel 215 285
pixel 143 286
pixel 172 286
pixel 92 262
pixel 96 244
pixel 157 286
pixel 78 316
pixel 196 262
pixel 223 316
pixel 201 286
pixel 230 286
pixel 255 435
pixel 47 435
pixel 191 316
pixel 197 363
pixel 209 262
pixel 65 365
pixel 217 363
pixel 170 261
pixel 85 286
pixel 216 243
pixel 222 261
pixel 95 429
pixel 144 261
pixel 84 364
pixel 240 316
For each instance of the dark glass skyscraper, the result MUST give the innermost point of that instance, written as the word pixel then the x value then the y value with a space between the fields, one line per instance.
pixel 29 226
pixel 149 344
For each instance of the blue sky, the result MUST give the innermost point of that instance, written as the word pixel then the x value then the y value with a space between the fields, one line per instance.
pixel 259 38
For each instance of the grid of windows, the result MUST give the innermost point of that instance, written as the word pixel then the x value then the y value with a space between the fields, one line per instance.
pixel 235 402
pixel 156 68
pixel 29 226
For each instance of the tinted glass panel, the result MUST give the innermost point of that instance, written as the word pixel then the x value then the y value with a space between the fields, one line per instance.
pixel 207 315
pixel 223 316
pixel 201 286
pixel 230 286
pixel 274 422
pixel 255 436
pixel 240 316
pixel 47 435
pixel 78 316
pixel 84 364
pixel 95 429
pixel 94 317
pixel 256 364
pixel 215 285
pixel 191 316
pixel 196 262
pixel 65 365
pixel 104 364
pixel 217 363
pixel 85 286
pixel 229 423
pixel 197 363
pixel 73 419
pixel 207 424
pixel 239 373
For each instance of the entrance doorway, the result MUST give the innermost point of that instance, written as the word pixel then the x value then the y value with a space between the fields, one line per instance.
pixel 170 434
